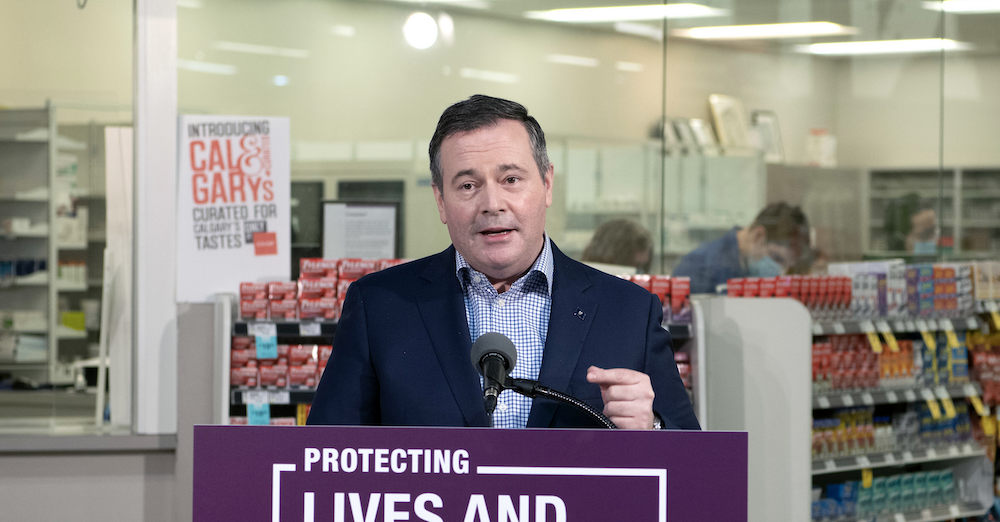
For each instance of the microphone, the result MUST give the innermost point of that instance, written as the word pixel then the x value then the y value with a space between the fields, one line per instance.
pixel 494 356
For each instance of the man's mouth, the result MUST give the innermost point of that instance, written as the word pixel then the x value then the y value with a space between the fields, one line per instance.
pixel 491 232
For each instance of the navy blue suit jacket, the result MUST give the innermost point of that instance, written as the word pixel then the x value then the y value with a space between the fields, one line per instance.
pixel 401 352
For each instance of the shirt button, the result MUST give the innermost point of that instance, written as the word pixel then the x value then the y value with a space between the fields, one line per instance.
pixel 502 406
pixel 500 303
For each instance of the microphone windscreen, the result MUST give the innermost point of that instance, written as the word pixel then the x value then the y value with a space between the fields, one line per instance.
pixel 496 343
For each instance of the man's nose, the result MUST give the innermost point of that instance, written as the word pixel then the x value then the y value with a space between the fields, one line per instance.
pixel 493 199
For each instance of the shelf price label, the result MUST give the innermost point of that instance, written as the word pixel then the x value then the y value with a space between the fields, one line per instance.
pixel 898 517
pixel 924 330
pixel 830 465
pixel 890 458
pixel 817 329
pixel 280 397
pixel 266 337
pixel 869 330
pixel 933 325
pixel 899 326
pixel 824 402
pixel 259 414
pixel 838 328
pixel 931 453
pixel 945 398
pixel 891 397
pixel 994 310
pixel 867 399
pixel 907 456
pixel 932 404
pixel 954 510
pixel 971 323
pixel 911 326
pixel 890 339
pixel 863 461
pixel 309 329
pixel 847 400
pixel 910 396
pixel 949 332
pixel 977 403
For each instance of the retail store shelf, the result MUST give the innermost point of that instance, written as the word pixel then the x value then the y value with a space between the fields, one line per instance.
pixel 290 328
pixel 679 331
pixel 302 396
pixel 64 332
pixel 95 282
pixel 66 286
pixel 897 458
pixel 23 366
pixel 847 399
pixel 35 279
pixel 31 234
pixel 946 512
pixel 72 246
pixel 897 325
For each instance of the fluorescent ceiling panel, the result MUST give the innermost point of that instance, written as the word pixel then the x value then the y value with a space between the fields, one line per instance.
pixel 965 6
pixel 630 66
pixel 765 31
pixel 925 45
pixel 471 4
pixel 631 13
pixel 646 30
pixel 488 76
pixel 567 59
pixel 206 67
pixel 261 49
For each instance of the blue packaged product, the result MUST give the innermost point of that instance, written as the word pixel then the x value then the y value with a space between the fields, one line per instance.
pixel 816 511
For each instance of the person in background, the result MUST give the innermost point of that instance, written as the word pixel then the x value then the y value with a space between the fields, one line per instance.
pixel 776 243
pixel 620 242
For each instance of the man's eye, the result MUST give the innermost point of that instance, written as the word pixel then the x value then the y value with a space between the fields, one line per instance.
pixel 466 186
pixel 511 179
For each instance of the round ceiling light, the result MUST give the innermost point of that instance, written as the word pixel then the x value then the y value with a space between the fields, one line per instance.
pixel 420 30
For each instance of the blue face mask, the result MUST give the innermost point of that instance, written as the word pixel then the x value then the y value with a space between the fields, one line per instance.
pixel 764 267
pixel 925 247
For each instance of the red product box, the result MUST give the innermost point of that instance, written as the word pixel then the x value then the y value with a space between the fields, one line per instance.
pixel 642 280
pixel 282 421
pixel 824 291
pixel 660 286
pixel 242 342
pixel 274 375
pixel 387 263
pixel 302 375
pixel 734 287
pixel 324 353
pixel 286 309
pixel 814 295
pixel 240 357
pixel 239 421
pixel 751 286
pixel 342 286
pixel 768 285
pixel 680 299
pixel 280 290
pixel 324 308
pixel 783 286
pixel 317 288
pixel 245 376
pixel 355 269
pixel 253 291
pixel 317 268
pixel 256 309
pixel 795 288
pixel 302 353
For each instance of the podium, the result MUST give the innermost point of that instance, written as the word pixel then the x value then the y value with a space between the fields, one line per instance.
pixel 376 474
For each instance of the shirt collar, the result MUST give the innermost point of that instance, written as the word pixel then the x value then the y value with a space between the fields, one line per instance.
pixel 543 266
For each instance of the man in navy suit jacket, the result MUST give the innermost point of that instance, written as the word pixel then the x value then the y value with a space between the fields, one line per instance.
pixel 401 353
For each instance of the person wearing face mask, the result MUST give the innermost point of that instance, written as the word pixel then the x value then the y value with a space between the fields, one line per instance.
pixel 773 244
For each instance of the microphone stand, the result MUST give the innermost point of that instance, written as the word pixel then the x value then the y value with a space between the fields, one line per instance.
pixel 532 389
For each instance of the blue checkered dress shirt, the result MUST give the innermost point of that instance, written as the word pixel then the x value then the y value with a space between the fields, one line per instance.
pixel 522 314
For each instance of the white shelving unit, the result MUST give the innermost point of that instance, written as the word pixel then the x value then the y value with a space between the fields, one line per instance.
pixel 29 169
pixel 757 377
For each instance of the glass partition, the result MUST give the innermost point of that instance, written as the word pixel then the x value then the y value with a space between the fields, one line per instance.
pixel 67 78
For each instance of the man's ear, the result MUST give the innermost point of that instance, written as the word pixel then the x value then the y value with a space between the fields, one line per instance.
pixel 439 199
pixel 758 235
pixel 548 180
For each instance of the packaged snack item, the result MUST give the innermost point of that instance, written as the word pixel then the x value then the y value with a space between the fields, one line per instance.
pixel 317 288
pixel 387 263
pixel 324 308
pixel 355 269
pixel 274 375
pixel 302 353
pixel 244 376
pixel 277 291
pixel 302 374
pixel 253 291
pixel 316 268
pixel 254 310
pixel 286 309
pixel 680 299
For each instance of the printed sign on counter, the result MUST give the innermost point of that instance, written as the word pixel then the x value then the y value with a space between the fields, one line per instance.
pixel 233 205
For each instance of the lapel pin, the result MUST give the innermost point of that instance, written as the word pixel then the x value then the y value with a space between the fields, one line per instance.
pixel 580 314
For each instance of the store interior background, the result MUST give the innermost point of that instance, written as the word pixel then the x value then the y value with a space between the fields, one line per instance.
pixel 363 104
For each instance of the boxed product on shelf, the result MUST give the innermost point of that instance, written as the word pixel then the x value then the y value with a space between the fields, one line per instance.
pixel 242 341
pixel 355 269
pixel 317 288
pixel 322 309
pixel 342 286
pixel 254 310
pixel 282 421
pixel 317 268
pixel 281 359
pixel 282 290
pixel 659 285
pixel 898 493
pixel 239 421
pixel 244 376
pixel 302 374
pixel 642 280
pixel 253 291
pixel 287 309
pixel 683 362
pixel 303 353
pixel 324 353
pixel 274 375
pixel 680 300
pixel 388 263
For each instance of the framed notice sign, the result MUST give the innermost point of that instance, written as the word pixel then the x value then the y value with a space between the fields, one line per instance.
pixel 359 230
pixel 233 204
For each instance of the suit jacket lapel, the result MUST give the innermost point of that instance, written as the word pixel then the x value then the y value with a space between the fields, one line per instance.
pixel 443 313
pixel 569 322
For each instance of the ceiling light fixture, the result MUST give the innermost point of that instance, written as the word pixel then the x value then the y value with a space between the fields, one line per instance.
pixel 630 13
pixel 489 76
pixel 420 30
pixel 924 45
pixel 965 6
pixel 206 67
pixel 646 30
pixel 765 31
pixel 567 59
pixel 261 49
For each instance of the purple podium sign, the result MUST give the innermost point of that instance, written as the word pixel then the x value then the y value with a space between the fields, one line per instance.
pixel 387 474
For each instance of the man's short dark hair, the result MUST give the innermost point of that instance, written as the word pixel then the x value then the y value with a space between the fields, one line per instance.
pixel 782 223
pixel 478 112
